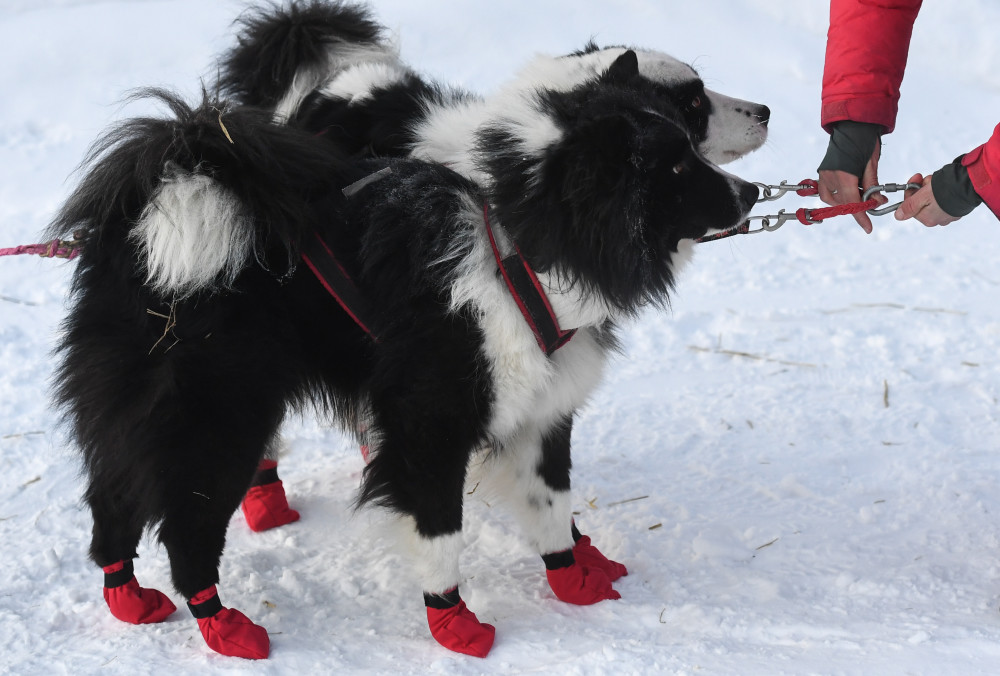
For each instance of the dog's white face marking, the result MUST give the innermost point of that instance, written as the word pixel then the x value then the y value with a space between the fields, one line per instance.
pixel 193 235
pixel 735 128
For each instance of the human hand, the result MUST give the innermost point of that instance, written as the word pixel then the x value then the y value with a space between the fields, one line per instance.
pixel 841 187
pixel 922 205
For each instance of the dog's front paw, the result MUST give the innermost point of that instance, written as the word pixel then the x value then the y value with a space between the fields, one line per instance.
pixel 457 628
pixel 131 603
pixel 228 631
pixel 581 585
pixel 590 556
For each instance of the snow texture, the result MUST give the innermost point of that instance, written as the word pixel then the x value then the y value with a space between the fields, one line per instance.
pixel 798 463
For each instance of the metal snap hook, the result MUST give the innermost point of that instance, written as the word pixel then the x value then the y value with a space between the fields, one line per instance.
pixel 888 187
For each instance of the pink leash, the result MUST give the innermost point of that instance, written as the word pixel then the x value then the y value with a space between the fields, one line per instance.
pixel 57 248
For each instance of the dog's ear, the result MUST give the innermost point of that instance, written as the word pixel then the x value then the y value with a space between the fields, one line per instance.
pixel 623 69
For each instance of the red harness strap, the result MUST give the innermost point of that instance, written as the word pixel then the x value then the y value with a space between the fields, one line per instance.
pixel 528 294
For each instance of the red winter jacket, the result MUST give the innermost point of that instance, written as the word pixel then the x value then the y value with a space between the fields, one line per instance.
pixel 865 58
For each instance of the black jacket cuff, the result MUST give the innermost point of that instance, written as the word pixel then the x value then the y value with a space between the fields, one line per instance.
pixel 953 189
pixel 851 147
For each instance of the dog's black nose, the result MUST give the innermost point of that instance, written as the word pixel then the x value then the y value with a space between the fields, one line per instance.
pixel 749 194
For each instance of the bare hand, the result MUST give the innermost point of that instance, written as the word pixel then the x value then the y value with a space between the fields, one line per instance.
pixel 920 204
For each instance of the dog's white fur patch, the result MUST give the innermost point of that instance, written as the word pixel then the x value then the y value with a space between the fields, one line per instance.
pixel 544 514
pixel 356 84
pixel 435 559
pixel 343 58
pixel 193 236
pixel 528 386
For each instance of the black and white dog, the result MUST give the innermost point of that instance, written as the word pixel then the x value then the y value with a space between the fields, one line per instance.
pixel 470 309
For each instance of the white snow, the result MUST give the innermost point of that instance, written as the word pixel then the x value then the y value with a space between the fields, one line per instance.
pixel 813 429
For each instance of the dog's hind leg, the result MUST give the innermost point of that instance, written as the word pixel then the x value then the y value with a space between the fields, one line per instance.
pixel 536 470
pixel 208 436
pixel 265 506
pixel 421 447
pixel 200 498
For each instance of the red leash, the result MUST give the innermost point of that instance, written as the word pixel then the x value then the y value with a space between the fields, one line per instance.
pixel 808 188
pixel 809 216
pixel 57 248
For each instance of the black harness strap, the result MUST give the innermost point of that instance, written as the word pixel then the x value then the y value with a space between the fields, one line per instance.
pixel 334 278
pixel 205 609
pixel 529 295
pixel 121 577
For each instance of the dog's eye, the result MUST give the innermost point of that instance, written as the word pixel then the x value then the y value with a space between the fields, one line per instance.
pixel 696 102
pixel 680 168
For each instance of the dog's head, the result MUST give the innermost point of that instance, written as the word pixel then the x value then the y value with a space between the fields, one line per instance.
pixel 605 186
pixel 724 128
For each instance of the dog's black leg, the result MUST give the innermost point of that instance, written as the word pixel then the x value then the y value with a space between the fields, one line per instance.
pixel 118 526
pixel 118 523
pixel 199 502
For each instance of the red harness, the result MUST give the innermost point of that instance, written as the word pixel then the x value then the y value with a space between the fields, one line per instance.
pixel 528 294
pixel 520 279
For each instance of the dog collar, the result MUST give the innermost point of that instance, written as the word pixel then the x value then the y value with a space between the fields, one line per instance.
pixel 528 294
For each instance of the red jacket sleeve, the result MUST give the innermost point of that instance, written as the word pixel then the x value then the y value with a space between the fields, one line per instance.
pixel 983 164
pixel 865 58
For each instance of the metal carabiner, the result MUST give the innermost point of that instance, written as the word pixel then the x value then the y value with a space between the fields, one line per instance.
pixel 888 187
pixel 765 221
pixel 767 194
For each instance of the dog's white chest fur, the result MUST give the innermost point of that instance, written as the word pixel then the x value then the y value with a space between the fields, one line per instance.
pixel 528 386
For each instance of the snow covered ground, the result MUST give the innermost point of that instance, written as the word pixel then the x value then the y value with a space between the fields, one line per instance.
pixel 798 463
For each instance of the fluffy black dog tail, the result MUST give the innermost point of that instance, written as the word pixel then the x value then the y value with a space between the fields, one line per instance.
pixel 201 194
pixel 285 52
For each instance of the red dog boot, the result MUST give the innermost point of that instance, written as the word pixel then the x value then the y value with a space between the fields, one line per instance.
pixel 589 556
pixel 456 627
pixel 128 601
pixel 576 583
pixel 265 505
pixel 228 631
